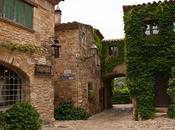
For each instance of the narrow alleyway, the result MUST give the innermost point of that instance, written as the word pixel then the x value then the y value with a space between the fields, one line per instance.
pixel 117 118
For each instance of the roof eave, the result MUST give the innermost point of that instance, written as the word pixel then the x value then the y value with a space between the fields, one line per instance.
pixel 54 2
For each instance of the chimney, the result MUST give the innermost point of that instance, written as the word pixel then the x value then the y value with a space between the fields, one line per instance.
pixel 57 15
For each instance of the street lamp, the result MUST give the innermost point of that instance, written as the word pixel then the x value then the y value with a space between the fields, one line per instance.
pixel 56 48
pixel 93 50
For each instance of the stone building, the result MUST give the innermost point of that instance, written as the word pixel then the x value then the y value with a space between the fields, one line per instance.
pixel 33 66
pixel 113 66
pixel 149 36
pixel 26 32
pixel 77 71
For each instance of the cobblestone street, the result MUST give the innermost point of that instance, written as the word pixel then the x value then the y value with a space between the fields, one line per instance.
pixel 118 118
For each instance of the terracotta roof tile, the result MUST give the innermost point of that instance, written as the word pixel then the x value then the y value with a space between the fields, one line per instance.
pixel 70 25
pixel 75 25
pixel 129 7
pixel 108 41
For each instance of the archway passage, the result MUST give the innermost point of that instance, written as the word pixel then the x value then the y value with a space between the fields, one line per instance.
pixel 118 71
pixel 11 87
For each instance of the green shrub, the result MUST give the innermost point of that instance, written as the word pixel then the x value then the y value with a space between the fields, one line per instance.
pixel 3 124
pixel 121 98
pixel 171 111
pixel 80 114
pixel 66 111
pixel 120 95
pixel 22 116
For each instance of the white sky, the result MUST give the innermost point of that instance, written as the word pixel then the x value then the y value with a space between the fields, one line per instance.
pixel 105 15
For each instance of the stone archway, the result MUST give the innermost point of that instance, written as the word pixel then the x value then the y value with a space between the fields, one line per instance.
pixel 38 90
pixel 118 71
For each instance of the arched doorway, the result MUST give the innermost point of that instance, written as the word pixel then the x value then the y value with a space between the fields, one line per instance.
pixel 12 87
pixel 108 88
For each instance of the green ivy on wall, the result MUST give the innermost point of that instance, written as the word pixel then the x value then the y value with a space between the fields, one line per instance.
pixel 24 48
pixel 98 43
pixel 149 55
pixel 110 62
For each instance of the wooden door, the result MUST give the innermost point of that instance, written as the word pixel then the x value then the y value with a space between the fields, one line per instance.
pixel 161 96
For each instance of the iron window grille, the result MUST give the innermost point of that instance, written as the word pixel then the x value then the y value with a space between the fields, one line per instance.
pixel 11 87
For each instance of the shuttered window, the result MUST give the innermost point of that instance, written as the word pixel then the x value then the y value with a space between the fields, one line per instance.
pixel 8 11
pixel 29 15
pixel 1 7
pixel 17 11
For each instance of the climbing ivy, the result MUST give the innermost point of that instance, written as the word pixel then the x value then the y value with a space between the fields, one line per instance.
pixel 25 48
pixel 109 62
pixel 149 55
pixel 98 43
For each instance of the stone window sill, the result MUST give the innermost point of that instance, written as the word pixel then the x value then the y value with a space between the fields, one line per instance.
pixel 17 25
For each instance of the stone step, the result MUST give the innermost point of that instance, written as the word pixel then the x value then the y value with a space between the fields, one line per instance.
pixel 160 114
pixel 161 109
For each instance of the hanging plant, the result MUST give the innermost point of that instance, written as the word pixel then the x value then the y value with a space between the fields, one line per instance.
pixel 24 48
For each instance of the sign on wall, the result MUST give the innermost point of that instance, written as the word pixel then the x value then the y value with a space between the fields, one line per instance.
pixel 43 70
pixel 67 75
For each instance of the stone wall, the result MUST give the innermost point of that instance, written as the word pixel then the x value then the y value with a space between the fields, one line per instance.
pixel 77 59
pixel 40 89
pixel 43 26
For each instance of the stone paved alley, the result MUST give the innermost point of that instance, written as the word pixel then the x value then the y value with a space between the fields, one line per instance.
pixel 117 118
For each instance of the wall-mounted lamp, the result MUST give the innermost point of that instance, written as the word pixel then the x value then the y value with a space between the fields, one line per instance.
pixel 93 50
pixel 55 48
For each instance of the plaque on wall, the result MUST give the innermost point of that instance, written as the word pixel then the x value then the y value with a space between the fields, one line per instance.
pixel 43 70
pixel 67 75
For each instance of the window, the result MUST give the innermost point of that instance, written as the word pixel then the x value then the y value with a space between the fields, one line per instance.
pixel 113 51
pixel 83 38
pixel 151 28
pixel 90 90
pixel 10 87
pixel 17 11
pixel 174 25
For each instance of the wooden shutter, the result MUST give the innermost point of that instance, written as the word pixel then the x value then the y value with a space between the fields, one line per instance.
pixel 19 12
pixel 28 16
pixel 8 11
pixel 1 8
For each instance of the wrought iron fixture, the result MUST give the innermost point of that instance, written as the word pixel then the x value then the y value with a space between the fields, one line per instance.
pixel 55 45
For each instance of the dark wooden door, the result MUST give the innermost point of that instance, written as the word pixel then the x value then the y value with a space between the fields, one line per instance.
pixel 161 96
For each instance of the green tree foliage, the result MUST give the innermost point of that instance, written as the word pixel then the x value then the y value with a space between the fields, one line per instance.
pixel 120 92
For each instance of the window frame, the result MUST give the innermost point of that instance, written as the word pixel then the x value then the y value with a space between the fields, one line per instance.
pixel 174 25
pixel 151 29
pixel 14 21
pixel 111 52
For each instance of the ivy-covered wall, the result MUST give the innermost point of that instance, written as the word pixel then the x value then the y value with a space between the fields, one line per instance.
pixel 149 55
pixel 110 62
